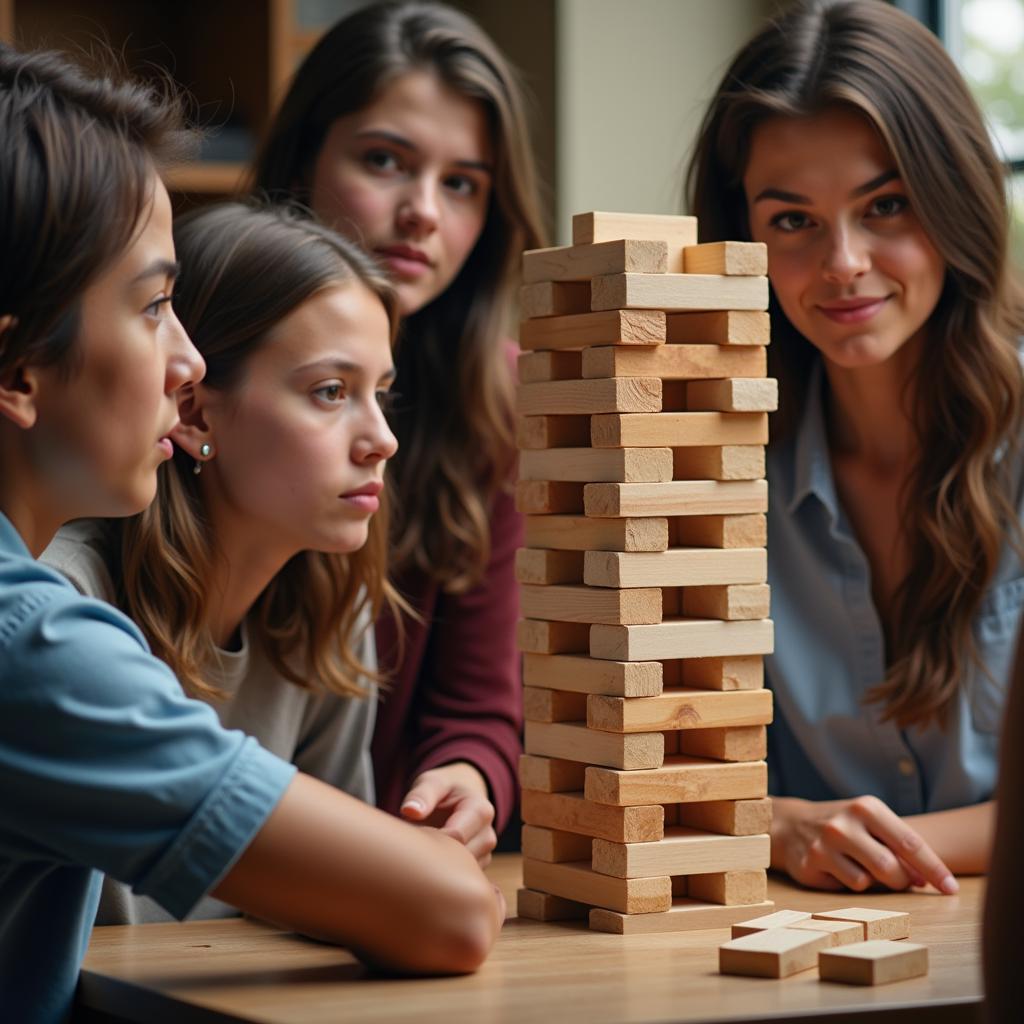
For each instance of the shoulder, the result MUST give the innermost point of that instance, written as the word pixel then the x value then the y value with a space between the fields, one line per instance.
pixel 77 553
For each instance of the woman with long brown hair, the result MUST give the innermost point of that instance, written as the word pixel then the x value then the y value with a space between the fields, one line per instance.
pixel 844 138
pixel 404 129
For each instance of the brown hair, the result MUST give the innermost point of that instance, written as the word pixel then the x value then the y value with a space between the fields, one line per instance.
pixel 77 164
pixel 245 269
pixel 455 444
pixel 968 394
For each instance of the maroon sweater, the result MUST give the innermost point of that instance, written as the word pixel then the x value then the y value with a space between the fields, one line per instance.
pixel 457 696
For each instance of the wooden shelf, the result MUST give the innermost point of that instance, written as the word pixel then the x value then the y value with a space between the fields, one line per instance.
pixel 207 177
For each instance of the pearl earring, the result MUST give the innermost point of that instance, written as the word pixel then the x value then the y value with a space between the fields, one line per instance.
pixel 205 450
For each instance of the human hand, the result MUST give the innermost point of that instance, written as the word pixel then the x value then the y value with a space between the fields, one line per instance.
pixel 454 799
pixel 852 844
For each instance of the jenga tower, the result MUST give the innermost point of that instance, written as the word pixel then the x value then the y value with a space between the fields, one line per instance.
pixel 643 415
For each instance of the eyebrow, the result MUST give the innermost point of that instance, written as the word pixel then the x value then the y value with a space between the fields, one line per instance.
pixel 403 143
pixel 860 190
pixel 159 268
pixel 342 366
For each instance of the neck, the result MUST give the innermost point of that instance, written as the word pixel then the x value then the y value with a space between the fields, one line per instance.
pixel 27 502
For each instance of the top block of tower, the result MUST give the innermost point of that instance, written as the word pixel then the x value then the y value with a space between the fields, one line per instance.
pixel 677 232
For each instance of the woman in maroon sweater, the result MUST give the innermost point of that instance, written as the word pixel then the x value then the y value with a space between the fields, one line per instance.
pixel 404 128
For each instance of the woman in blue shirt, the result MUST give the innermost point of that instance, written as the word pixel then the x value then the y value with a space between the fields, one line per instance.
pixel 844 138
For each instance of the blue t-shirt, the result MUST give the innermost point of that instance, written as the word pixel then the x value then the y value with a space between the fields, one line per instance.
pixel 105 766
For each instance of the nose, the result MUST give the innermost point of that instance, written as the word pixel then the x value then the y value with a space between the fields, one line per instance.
pixel 184 363
pixel 847 256
pixel 375 442
pixel 419 212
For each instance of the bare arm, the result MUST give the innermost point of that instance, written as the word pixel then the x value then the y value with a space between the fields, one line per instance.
pixel 962 837
pixel 327 865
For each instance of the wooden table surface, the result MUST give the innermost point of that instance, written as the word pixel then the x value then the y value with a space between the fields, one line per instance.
pixel 238 970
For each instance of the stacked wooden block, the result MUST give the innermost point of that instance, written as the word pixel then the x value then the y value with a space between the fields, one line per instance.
pixel 643 415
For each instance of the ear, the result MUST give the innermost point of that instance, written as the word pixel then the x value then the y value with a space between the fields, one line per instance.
pixel 192 430
pixel 19 387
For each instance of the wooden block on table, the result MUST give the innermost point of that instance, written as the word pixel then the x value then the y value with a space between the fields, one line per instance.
pixel 729 888
pixel 586 397
pixel 730 327
pixel 729 817
pixel 543 906
pixel 578 533
pixel 613 465
pixel 725 462
pixel 579 882
pixel 535 367
pixel 570 812
pixel 575 742
pixel 675 362
pixel 683 851
pixel 680 780
pixel 841 933
pixel 610 327
pixel 683 916
pixel 677 429
pixel 554 298
pixel 762 923
pixel 877 924
pixel 584 262
pixel 555 846
pixel 737 394
pixel 567 603
pixel 546 497
pixel 679 709
pixel 775 953
pixel 726 531
pixel 677 292
pixel 735 602
pixel 540 637
pixel 690 638
pixel 873 963
pixel 684 567
pixel 734 259
pixel 550 774
pixel 540 705
pixel 540 566
pixel 616 499
pixel 744 673
pixel 534 432
pixel 677 232
pixel 591 675
pixel 730 743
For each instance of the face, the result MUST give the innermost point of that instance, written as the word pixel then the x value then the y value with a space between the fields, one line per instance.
pixel 299 445
pixel 849 262
pixel 409 178
pixel 101 433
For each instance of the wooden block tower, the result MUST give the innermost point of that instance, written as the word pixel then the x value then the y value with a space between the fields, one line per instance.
pixel 643 415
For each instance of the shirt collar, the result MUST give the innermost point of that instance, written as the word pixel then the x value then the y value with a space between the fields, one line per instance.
pixel 11 541
pixel 812 470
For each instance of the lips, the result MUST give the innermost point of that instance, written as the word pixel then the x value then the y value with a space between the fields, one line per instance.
pixel 366 498
pixel 405 252
pixel 404 261
pixel 851 311
pixel 371 489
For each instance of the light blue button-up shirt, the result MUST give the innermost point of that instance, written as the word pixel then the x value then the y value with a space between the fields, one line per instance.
pixel 825 744
pixel 105 766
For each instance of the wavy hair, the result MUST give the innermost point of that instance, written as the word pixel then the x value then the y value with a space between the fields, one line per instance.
pixel 967 395
pixel 246 268
pixel 446 484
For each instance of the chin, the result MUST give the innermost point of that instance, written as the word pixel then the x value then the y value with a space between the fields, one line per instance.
pixel 861 351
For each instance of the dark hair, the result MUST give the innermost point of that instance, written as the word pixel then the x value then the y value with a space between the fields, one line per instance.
pixel 968 393
pixel 446 484
pixel 77 163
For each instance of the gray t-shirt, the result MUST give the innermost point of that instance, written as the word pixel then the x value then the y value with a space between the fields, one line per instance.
pixel 324 735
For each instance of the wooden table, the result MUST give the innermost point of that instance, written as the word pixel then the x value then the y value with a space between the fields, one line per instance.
pixel 238 970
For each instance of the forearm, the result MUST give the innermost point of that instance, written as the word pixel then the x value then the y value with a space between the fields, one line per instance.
pixel 962 837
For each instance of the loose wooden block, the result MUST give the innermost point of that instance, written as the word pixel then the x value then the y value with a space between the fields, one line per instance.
pixel 730 327
pixel 877 924
pixel 586 397
pixel 550 774
pixel 680 780
pixel 676 232
pixel 543 906
pixel 725 462
pixel 533 432
pixel 570 812
pixel 539 566
pixel 540 705
pixel 735 259
pixel 677 429
pixel 583 262
pixel 611 327
pixel 729 817
pixel 683 851
pixel 575 742
pixel 555 846
pixel 691 638
pixel 841 933
pixel 540 637
pixel 679 709
pixel 675 362
pixel 730 888
pixel 544 497
pixel 731 743
pixel 615 465
pixel 738 394
pixel 677 292
pixel 615 499
pixel 683 916
pixel 729 531
pixel 685 567
pixel 873 963
pixel 567 603
pixel 775 953
pixel 591 675
pixel 738 601
pixel 762 923
pixel 554 298
pixel 579 882
pixel 534 367
pixel 578 533
pixel 746 673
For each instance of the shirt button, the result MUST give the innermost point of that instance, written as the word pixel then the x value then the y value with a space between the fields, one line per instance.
pixel 906 766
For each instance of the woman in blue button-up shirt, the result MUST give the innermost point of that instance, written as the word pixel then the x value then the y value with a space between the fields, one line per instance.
pixel 845 139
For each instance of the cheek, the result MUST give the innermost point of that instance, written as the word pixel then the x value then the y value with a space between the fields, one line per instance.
pixel 462 231
pixel 354 207
pixel 918 265
pixel 789 276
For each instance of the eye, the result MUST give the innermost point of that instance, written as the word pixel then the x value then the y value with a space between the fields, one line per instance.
pixel 157 307
pixel 381 160
pixel 888 206
pixel 790 221
pixel 461 185
pixel 331 393
pixel 388 400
